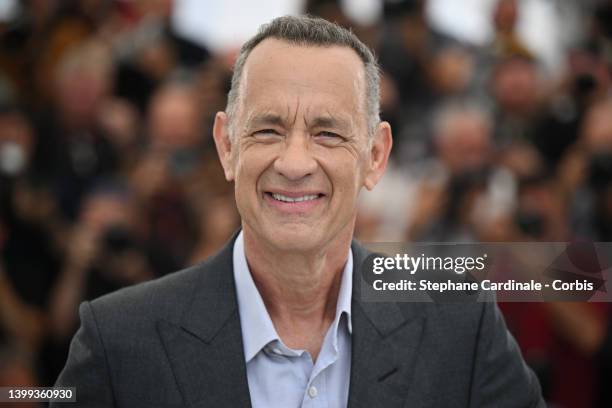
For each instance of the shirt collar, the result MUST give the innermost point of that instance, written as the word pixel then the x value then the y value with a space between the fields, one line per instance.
pixel 257 327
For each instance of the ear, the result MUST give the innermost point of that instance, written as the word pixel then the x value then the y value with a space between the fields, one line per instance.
pixel 379 155
pixel 224 144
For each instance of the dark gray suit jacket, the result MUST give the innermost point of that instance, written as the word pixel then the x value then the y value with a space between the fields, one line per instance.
pixel 176 342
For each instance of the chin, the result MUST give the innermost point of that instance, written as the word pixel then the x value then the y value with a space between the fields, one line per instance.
pixel 302 239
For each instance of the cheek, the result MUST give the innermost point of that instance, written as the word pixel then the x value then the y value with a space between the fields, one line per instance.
pixel 345 170
pixel 250 164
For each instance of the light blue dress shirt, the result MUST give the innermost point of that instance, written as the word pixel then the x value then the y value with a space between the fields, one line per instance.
pixel 281 377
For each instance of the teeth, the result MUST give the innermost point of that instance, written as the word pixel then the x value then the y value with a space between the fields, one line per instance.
pixel 286 199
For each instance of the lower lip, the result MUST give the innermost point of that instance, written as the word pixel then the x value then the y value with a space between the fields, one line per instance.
pixel 295 207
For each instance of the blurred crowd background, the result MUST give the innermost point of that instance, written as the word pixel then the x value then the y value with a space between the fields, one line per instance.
pixel 109 176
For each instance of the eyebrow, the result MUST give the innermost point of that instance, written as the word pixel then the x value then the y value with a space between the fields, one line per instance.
pixel 328 122
pixel 266 119
pixel 273 119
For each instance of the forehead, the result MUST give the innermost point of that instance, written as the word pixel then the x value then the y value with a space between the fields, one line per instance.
pixel 304 78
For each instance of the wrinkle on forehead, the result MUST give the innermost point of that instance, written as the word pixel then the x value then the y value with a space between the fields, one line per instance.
pixel 287 114
pixel 277 71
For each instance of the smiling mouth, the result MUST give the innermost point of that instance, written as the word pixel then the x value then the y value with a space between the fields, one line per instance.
pixel 295 199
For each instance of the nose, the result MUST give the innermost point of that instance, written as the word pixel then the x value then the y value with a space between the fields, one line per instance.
pixel 295 161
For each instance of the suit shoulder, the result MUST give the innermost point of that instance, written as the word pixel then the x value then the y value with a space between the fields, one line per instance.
pixel 451 316
pixel 164 298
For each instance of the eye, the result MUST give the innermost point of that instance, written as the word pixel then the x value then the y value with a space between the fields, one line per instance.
pixel 264 132
pixel 328 134
pixel 266 135
pixel 328 137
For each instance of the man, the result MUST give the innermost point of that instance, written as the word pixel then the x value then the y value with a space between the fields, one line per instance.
pixel 276 319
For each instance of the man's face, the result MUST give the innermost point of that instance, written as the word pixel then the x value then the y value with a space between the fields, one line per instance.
pixel 299 152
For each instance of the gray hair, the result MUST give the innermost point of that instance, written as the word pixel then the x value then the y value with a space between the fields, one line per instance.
pixel 446 116
pixel 307 30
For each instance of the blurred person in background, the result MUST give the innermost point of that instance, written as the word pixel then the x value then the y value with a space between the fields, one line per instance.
pixel 585 80
pixel 174 168
pixel 108 249
pixel 506 41
pixel 21 331
pixel 121 123
pixel 464 192
pixel 406 45
pixel 37 39
pixel 422 65
pixel 587 174
pixel 565 341
pixel 72 149
pixel 557 163
pixel 560 340
pixel 151 51
pixel 179 173
pixel 517 91
pixel 588 167
pixel 29 261
pixel 449 76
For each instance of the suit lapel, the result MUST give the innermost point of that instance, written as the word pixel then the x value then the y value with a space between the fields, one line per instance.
pixel 385 342
pixel 205 348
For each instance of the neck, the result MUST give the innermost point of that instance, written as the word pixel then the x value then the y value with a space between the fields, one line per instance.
pixel 300 289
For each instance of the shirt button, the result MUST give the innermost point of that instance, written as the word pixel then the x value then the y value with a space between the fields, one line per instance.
pixel 312 392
